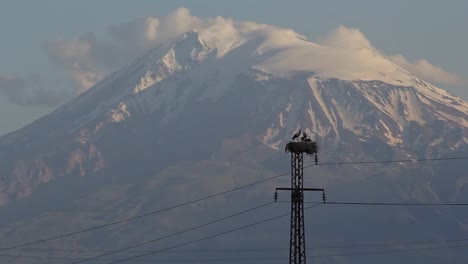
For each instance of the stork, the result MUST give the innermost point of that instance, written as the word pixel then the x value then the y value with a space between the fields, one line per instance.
pixel 304 136
pixel 296 135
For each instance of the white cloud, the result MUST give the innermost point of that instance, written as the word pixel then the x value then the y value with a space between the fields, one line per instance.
pixel 345 52
pixel 89 60
pixel 86 59
pixel 352 38
pixel 427 71
pixel 346 38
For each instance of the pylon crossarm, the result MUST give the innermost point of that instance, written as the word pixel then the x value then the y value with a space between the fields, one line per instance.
pixel 300 190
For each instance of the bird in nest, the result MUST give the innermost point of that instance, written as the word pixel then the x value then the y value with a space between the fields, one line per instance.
pixel 298 133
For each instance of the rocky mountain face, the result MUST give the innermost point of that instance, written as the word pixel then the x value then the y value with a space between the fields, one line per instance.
pixel 200 115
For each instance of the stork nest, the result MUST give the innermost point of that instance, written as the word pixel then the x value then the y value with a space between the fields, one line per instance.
pixel 309 148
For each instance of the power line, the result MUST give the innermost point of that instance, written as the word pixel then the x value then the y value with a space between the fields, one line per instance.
pixel 393 244
pixel 387 251
pixel 140 216
pixel 173 234
pixel 256 249
pixel 147 260
pixel 392 204
pixel 392 161
pixel 248 259
pixel 208 237
pixel 146 251
pixel 215 195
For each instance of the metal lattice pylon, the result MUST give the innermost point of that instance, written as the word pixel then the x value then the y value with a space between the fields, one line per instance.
pixel 297 252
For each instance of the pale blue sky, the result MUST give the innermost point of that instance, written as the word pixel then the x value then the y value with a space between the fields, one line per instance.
pixel 418 29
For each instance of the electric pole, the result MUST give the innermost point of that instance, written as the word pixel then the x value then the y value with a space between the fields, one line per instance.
pixel 297 251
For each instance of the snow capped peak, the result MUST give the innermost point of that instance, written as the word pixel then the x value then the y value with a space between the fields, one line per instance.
pixel 214 80
pixel 345 54
pixel 164 62
pixel 336 86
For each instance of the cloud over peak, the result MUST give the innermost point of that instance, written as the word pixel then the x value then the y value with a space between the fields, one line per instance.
pixel 347 38
pixel 88 60
pixel 428 71
pixel 352 38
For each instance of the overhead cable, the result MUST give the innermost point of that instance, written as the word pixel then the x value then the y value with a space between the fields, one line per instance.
pixel 212 196
pixel 318 247
pixel 208 237
pixel 173 234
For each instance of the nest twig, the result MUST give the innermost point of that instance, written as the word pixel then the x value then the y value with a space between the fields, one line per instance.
pixel 310 148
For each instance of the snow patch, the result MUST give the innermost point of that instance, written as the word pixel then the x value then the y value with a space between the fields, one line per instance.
pixel 120 113
pixel 391 139
pixel 146 81
pixel 288 108
pixel 330 115
pixel 166 67
pixel 437 141
pixel 261 77
pixel 317 126
pixel 270 134
pixel 83 136
pixel 281 120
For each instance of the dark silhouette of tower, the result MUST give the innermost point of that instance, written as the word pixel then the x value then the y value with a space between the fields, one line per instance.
pixel 297 248
pixel 297 252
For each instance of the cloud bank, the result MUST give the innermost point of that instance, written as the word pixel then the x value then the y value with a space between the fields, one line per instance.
pixel 346 38
pixel 353 38
pixel 428 71
pixel 344 52
pixel 88 60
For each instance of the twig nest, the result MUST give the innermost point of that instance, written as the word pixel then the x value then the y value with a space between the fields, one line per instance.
pixel 309 148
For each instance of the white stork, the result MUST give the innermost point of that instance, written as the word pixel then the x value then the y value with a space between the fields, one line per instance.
pixel 296 135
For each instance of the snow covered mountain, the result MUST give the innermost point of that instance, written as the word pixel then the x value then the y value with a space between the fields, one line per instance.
pixel 272 81
pixel 237 96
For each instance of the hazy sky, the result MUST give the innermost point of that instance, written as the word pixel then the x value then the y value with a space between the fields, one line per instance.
pixel 36 75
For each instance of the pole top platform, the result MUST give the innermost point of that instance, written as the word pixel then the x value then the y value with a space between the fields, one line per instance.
pixel 308 147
